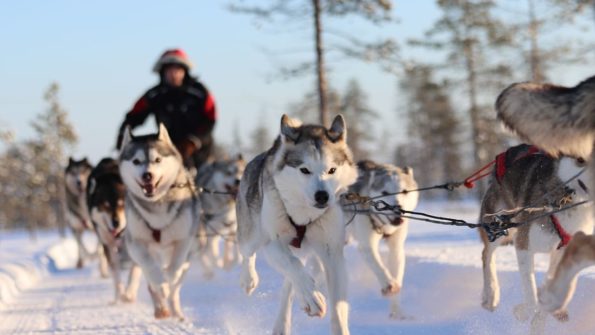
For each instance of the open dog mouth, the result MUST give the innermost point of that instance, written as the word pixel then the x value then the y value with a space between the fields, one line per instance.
pixel 148 188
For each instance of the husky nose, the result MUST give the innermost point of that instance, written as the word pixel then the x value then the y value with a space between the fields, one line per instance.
pixel 115 223
pixel 237 181
pixel 321 197
pixel 147 177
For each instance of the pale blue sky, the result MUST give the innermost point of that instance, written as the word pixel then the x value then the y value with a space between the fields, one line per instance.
pixel 102 52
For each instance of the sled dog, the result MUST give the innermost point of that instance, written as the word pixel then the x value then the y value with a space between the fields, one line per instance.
pixel 219 212
pixel 288 205
pixel 162 215
pixel 527 177
pixel 105 200
pixel 560 120
pixel 384 181
pixel 76 178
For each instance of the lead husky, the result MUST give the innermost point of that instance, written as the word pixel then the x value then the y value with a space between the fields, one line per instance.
pixel 105 199
pixel 533 180
pixel 219 212
pixel 77 214
pixel 384 181
pixel 162 214
pixel 288 205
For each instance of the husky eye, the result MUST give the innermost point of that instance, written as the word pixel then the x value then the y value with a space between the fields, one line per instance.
pixel 305 171
pixel 332 170
pixel 136 161
pixel 158 160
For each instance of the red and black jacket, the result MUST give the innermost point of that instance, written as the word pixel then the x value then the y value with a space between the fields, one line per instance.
pixel 188 112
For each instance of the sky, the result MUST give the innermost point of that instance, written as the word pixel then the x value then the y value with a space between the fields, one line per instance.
pixel 102 53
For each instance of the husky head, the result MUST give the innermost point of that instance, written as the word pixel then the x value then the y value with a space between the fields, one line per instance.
pixel 312 165
pixel 77 175
pixel 222 175
pixel 149 164
pixel 383 182
pixel 106 197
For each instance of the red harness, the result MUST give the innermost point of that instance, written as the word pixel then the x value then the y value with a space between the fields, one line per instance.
pixel 503 161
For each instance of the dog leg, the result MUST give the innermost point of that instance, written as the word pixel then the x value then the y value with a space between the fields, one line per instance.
pixel 158 285
pixel 491 288
pixel 159 303
pixel 174 298
pixel 213 251
pixel 179 257
pixel 368 247
pixel 331 256
pixel 115 270
pixel 104 267
pixel 282 259
pixel 396 265
pixel 526 309
pixel 133 283
pixel 248 243
pixel 283 322
pixel 78 236
pixel 230 254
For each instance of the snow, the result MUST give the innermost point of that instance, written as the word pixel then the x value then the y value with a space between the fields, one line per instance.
pixel 42 293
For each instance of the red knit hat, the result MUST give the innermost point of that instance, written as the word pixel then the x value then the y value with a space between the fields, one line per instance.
pixel 173 56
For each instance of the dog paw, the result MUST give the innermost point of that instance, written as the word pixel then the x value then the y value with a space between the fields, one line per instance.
pixel 489 303
pixel 162 313
pixel 561 315
pixel 522 312
pixel 390 289
pixel 249 281
pixel 314 304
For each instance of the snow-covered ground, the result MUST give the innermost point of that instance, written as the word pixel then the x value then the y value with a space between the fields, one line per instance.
pixel 441 292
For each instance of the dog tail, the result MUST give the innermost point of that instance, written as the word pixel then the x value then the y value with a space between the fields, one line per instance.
pixel 559 120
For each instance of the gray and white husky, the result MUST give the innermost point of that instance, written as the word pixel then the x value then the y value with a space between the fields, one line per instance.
pixel 105 199
pixel 537 181
pixel 384 181
pixel 219 212
pixel 76 177
pixel 561 121
pixel 162 215
pixel 288 205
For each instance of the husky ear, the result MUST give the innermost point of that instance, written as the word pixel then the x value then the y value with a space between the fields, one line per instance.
pixel 163 134
pixel 70 160
pixel 338 129
pixel 127 137
pixel 289 128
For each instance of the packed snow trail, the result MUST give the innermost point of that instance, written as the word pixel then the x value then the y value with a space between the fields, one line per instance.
pixel 441 293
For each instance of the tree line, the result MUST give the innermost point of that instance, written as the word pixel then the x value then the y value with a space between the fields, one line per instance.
pixel 477 48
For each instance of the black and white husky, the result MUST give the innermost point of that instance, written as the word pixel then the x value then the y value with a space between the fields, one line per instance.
pixel 162 215
pixel 76 178
pixel 288 205
pixel 105 199
pixel 219 182
pixel 384 181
